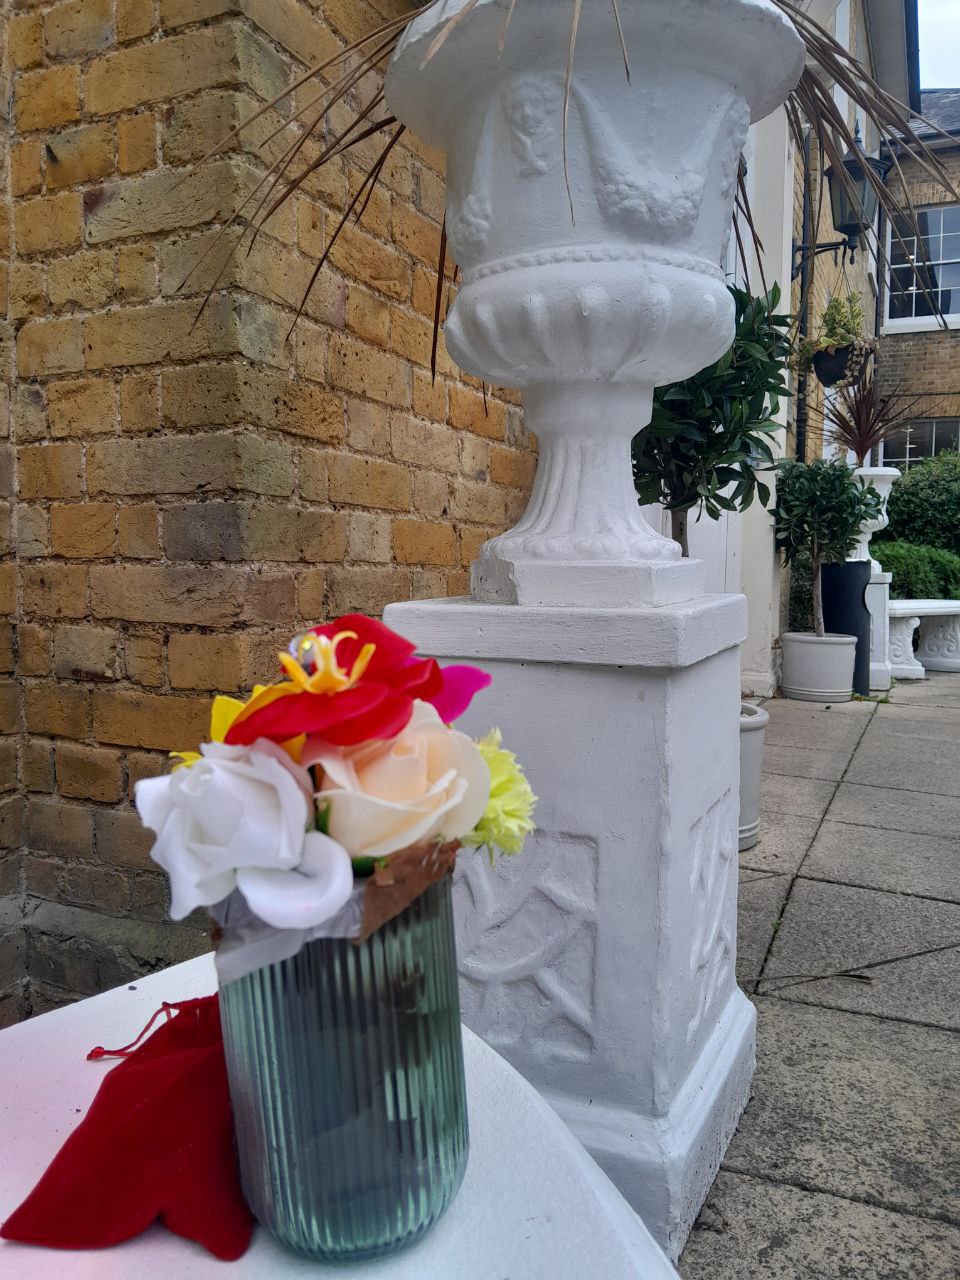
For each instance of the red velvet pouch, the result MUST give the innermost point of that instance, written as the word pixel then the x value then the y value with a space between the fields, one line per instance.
pixel 157 1142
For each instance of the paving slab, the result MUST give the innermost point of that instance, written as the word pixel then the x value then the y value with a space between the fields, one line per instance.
pixel 936 724
pixel 806 724
pixel 906 759
pixel 796 797
pixel 784 840
pixel 759 906
pixel 827 928
pixel 939 689
pixel 896 861
pixel 854 1106
pixel 926 815
pixel 751 1229
pixel 806 762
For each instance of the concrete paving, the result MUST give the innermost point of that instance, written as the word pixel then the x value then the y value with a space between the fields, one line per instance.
pixel 846 1164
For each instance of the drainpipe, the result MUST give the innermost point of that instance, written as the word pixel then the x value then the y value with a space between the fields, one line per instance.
pixel 804 319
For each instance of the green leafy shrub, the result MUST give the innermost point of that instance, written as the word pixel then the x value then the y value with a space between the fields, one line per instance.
pixel 919 573
pixel 711 433
pixel 924 505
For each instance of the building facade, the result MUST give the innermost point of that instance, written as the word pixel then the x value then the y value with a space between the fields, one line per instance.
pixel 919 351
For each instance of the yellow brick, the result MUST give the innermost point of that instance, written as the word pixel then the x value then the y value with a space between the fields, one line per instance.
pixel 164 200
pixel 89 773
pixel 25 40
pixel 429 396
pixel 177 13
pixel 138 535
pixel 468 410
pixel 84 280
pixel 424 542
pixel 365 259
pixel 81 407
pixel 215 662
pixel 368 482
pixel 49 471
pixel 291 24
pixel 79 155
pixel 49 346
pixel 48 222
pixel 26 168
pixel 366 371
pixel 134 19
pixel 368 316
pixel 136 273
pixel 44 99
pixel 416 234
pixel 508 466
pixel 158 71
pixel 27 291
pixel 424 443
pixel 81 26
pixel 142 335
pixel 136 142
pixel 83 530
pixel 139 402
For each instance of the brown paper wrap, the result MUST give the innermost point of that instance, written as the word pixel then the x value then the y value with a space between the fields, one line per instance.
pixel 401 878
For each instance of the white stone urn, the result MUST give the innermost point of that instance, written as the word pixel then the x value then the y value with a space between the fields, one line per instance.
pixel 882 479
pixel 588 300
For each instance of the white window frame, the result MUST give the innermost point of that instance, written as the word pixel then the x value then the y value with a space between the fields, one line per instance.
pixel 913 462
pixel 912 324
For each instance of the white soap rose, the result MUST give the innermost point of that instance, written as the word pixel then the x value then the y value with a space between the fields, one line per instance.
pixel 428 782
pixel 237 819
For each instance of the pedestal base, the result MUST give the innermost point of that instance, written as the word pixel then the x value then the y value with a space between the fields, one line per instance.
pixel 878 602
pixel 600 962
pixel 665 1166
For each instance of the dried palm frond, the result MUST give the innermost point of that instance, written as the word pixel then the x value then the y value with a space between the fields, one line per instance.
pixel 811 112
pixel 860 418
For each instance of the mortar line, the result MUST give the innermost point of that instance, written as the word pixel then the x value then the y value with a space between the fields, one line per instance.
pixel 867 720
pixel 944 1218
pixel 872 888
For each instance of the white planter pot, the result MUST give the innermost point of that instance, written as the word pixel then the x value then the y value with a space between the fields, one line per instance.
pixel 882 479
pixel 817 668
pixel 753 721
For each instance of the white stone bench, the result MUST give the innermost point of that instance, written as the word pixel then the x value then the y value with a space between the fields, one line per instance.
pixel 939 648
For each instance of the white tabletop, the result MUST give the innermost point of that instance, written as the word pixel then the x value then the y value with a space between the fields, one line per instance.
pixel 533 1205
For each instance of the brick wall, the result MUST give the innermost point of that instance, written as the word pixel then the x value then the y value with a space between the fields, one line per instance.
pixel 926 364
pixel 179 495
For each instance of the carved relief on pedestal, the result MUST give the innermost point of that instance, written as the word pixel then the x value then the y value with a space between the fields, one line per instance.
pixel 526 938
pixel 713 886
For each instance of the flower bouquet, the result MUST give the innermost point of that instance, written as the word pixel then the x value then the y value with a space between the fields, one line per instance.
pixel 319 827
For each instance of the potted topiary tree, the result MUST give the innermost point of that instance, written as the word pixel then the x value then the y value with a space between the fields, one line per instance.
pixel 708 436
pixel 820 508
pixel 840 350
pixel 859 418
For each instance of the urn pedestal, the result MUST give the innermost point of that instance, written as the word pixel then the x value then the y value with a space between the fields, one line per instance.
pixel 601 961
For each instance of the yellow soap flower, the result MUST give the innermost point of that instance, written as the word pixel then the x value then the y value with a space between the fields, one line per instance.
pixel 222 715
pixel 508 818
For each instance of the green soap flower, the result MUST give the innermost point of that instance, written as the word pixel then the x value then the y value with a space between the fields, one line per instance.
pixel 508 818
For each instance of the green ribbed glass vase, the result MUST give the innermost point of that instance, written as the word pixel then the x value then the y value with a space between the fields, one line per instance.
pixel 346 1075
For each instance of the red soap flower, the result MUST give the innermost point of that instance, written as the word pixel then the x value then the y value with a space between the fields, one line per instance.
pixel 356 681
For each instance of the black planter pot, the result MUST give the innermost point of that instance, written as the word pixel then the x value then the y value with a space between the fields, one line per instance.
pixel 845 612
pixel 841 366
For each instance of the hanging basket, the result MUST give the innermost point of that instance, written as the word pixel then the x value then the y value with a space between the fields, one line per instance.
pixel 843 366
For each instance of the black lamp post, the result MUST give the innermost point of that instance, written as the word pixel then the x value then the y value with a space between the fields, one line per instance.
pixel 853 203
